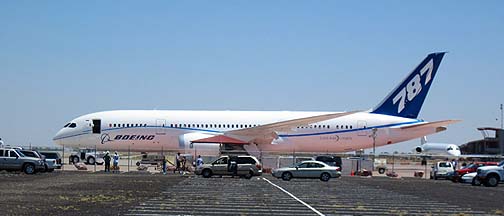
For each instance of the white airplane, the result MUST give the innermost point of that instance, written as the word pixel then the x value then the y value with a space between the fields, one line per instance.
pixel 442 149
pixel 395 120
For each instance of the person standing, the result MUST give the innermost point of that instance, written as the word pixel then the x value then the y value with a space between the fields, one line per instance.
pixel 116 162
pixel 177 162
pixel 454 163
pixel 199 162
pixel 183 165
pixel 107 159
pixel 164 165
pixel 1 143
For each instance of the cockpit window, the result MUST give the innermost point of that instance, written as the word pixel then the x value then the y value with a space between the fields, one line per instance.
pixel 72 125
pixel 66 125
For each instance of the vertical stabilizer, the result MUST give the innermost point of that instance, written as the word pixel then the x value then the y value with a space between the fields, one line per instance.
pixel 407 98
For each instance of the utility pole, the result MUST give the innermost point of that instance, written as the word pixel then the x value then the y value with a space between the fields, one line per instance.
pixel 502 120
pixel 373 135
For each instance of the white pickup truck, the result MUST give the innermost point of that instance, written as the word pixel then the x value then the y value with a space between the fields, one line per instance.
pixel 491 176
pixel 88 156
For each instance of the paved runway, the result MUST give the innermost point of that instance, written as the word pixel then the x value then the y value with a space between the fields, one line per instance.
pixel 344 196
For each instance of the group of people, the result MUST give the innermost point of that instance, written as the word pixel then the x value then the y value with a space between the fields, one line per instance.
pixel 107 158
pixel 180 163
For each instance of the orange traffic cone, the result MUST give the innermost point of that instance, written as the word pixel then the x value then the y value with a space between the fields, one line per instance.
pixel 352 173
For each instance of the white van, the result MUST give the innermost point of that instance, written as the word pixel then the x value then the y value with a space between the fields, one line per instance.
pixel 441 170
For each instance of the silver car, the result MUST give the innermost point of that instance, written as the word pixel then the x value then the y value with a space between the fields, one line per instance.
pixel 308 169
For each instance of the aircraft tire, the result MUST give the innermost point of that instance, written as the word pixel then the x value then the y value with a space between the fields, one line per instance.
pixel 381 170
pixel 75 159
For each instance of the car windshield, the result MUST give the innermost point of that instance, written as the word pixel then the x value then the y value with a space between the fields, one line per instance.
pixel 20 153
pixel 445 164
pixel 471 166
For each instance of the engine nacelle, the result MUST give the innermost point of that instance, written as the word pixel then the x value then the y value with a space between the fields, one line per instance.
pixel 198 148
pixel 419 149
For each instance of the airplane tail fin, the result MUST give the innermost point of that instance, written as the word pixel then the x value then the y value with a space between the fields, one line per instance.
pixel 407 98
pixel 423 140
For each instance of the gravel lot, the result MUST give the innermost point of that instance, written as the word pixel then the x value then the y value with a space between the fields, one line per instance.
pixel 85 193
pixel 77 193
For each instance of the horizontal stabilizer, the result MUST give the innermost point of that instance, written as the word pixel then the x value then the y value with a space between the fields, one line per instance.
pixel 430 124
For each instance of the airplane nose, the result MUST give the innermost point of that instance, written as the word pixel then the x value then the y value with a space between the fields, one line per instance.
pixel 57 137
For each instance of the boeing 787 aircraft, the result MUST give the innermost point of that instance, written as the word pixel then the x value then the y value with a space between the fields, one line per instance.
pixel 391 121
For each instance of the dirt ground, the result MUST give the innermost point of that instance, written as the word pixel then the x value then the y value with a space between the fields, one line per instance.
pixel 77 193
pixel 89 193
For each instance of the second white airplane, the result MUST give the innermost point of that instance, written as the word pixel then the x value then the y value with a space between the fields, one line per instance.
pixel 395 120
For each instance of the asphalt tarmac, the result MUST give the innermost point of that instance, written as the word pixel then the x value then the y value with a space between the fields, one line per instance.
pixel 85 193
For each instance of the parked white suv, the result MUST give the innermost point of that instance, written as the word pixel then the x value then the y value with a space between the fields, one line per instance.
pixel 441 170
pixel 490 176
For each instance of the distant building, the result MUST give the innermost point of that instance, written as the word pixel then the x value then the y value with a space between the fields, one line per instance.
pixel 491 144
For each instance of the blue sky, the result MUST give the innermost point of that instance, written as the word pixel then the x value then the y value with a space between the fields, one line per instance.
pixel 63 59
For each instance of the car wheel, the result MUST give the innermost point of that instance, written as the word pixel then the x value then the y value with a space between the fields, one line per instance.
pixel 29 169
pixel 325 177
pixel 381 170
pixel 45 168
pixel 286 176
pixel 475 182
pixel 435 176
pixel 492 181
pixel 206 173
pixel 249 175
pixel 91 160
pixel 75 160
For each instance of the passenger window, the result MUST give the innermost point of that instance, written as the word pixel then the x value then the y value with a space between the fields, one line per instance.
pixel 303 165
pixel 245 160
pixel 1 153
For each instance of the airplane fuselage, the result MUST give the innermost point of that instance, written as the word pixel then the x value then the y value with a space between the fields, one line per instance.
pixel 152 130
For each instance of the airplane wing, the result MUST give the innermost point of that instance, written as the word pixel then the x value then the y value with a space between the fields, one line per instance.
pixel 273 128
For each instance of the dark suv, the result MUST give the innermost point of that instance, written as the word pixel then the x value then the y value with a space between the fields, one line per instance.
pixel 329 160
pixel 54 158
